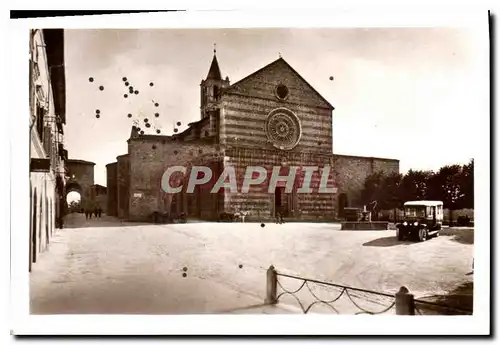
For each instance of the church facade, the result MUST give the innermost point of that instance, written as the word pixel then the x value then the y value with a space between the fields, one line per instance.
pixel 273 119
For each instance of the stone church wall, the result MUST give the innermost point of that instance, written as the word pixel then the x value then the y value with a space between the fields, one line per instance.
pixel 147 166
pixel 243 123
pixel 246 105
pixel 123 183
pixel 111 183
pixel 260 203
pixel 354 170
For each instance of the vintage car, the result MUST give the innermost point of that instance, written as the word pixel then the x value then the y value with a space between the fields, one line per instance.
pixel 422 219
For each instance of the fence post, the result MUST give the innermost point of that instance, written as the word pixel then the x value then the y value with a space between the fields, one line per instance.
pixel 405 302
pixel 272 283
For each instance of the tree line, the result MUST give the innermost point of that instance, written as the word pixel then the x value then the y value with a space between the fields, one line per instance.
pixel 451 184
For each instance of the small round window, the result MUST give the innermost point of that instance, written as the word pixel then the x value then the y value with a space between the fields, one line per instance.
pixel 282 92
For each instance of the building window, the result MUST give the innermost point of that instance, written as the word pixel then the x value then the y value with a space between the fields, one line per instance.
pixel 283 129
pixel 282 92
pixel 40 113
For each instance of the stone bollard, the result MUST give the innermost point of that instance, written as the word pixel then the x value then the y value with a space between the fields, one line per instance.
pixel 405 302
pixel 272 284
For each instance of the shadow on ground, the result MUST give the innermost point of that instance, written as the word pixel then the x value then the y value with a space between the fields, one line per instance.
pixel 78 220
pixel 460 235
pixel 387 242
pixel 457 302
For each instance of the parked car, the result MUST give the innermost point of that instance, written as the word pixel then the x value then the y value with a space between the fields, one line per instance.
pixel 422 219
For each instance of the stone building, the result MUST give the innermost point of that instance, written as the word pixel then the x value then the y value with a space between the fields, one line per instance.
pixel 112 189
pixel 47 153
pixel 271 118
pixel 98 197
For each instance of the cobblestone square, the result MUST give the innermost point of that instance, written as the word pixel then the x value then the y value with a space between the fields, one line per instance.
pixel 112 267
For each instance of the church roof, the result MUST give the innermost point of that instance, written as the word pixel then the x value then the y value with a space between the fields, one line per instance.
pixel 214 72
pixel 279 60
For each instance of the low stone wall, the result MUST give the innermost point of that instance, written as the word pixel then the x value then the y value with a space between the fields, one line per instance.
pixel 365 226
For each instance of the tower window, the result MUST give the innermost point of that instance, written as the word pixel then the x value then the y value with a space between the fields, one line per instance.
pixel 216 92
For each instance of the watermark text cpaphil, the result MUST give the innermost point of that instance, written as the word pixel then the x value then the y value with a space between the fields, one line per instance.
pixel 301 179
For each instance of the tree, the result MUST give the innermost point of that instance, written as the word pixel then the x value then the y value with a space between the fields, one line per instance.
pixel 447 183
pixel 382 192
pixel 74 206
pixel 452 184
pixel 373 187
pixel 393 193
pixel 414 185
pixel 467 185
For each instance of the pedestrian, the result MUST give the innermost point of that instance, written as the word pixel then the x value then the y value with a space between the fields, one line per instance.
pixel 95 212
pixel 99 211
pixel 90 214
pixel 279 218
pixel 86 214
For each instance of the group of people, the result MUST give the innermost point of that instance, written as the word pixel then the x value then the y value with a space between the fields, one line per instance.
pixel 97 212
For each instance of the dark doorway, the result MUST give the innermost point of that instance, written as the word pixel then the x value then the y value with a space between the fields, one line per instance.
pixel 342 205
pixel 174 209
pixel 47 220
pixel 34 228
pixel 30 228
pixel 51 218
pixel 281 204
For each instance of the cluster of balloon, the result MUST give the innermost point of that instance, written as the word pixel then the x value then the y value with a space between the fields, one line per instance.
pixel 133 91
pixel 101 88
pixel 176 126
pixel 130 88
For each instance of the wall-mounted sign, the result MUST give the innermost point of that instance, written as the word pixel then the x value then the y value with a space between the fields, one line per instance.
pixel 40 165
pixel 137 195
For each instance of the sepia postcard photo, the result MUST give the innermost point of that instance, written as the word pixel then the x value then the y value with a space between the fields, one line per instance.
pixel 188 169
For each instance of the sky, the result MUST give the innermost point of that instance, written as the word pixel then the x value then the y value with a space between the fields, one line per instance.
pixel 403 93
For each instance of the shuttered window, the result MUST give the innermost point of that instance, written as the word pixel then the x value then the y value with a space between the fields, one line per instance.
pixel 46 139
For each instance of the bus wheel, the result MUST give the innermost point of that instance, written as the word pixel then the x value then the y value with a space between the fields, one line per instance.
pixel 399 235
pixel 422 235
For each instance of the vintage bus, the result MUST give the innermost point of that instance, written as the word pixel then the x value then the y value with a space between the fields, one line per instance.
pixel 422 219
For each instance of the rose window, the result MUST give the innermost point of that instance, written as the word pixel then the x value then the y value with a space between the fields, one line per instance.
pixel 283 129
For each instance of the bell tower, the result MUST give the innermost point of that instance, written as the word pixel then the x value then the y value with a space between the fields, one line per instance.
pixel 211 89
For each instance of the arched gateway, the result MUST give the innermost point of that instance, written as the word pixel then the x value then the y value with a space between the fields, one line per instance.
pixel 80 179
